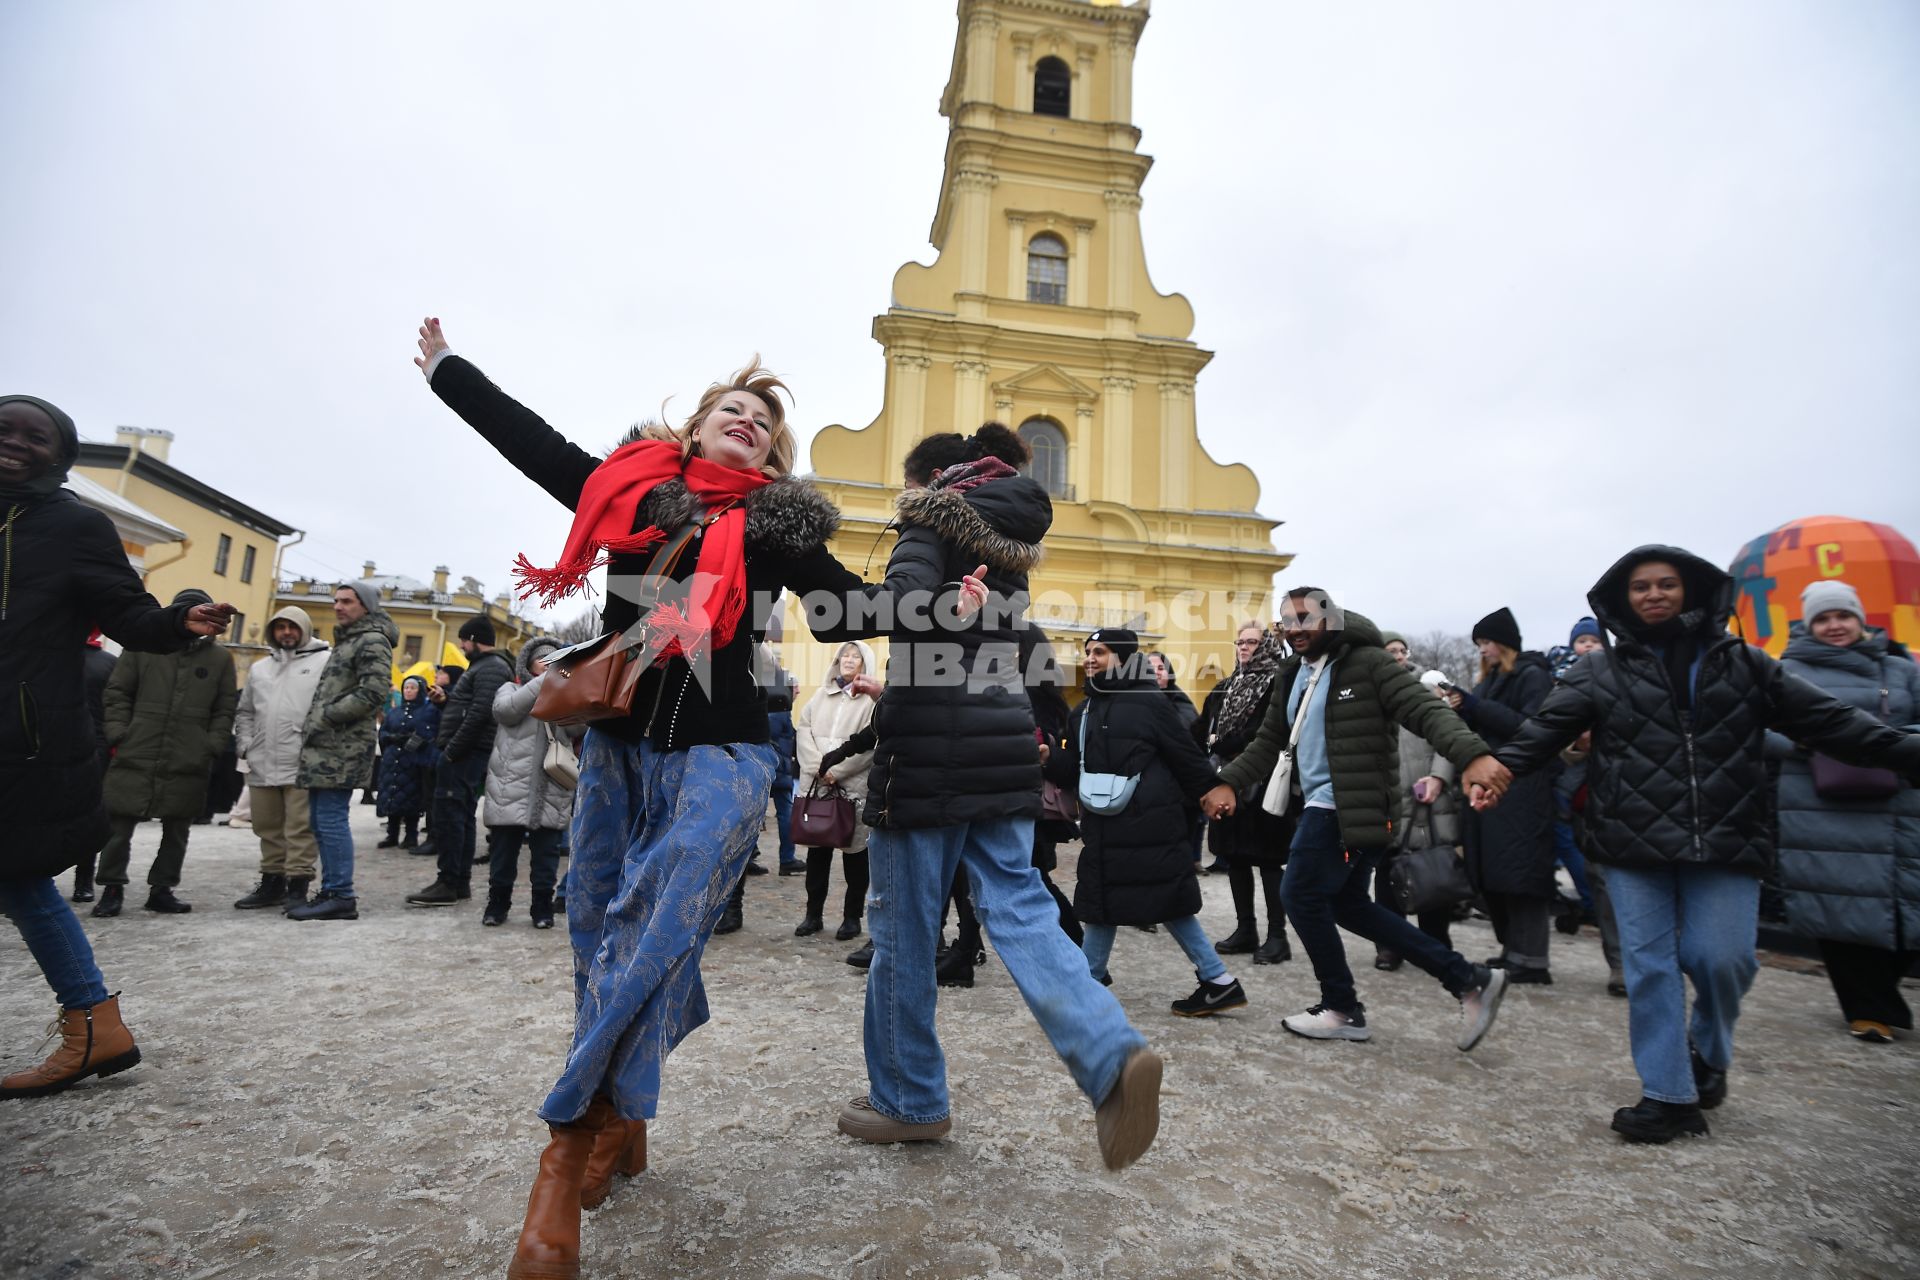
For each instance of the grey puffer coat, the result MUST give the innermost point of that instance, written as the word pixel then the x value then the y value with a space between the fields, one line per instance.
pixel 1667 787
pixel 519 793
pixel 1851 868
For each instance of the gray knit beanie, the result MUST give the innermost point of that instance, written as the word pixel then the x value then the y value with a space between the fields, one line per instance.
pixel 1827 594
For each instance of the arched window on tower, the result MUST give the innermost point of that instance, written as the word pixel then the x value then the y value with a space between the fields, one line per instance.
pixel 1047 269
pixel 1052 88
pixel 1049 465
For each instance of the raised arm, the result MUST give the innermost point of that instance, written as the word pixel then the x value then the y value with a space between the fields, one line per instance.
pixel 522 436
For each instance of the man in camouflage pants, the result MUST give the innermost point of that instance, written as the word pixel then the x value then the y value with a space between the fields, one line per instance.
pixel 340 729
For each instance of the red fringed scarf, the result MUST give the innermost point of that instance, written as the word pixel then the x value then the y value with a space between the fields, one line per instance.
pixel 603 528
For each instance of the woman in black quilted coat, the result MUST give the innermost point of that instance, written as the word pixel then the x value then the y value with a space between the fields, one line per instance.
pixel 1677 808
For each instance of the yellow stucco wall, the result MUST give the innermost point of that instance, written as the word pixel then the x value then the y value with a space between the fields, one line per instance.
pixel 174 566
pixel 1149 528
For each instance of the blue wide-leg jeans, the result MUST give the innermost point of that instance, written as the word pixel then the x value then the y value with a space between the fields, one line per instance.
pixel 912 872
pixel 1676 923
pixel 659 839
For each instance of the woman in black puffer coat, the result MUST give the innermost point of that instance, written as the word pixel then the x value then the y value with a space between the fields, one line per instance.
pixel 1510 849
pixel 1677 808
pixel 1136 866
pixel 64 574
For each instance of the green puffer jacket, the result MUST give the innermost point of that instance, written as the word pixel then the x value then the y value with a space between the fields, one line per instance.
pixel 167 716
pixel 1370 693
pixel 348 702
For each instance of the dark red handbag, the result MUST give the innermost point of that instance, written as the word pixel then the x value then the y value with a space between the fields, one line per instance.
pixel 823 819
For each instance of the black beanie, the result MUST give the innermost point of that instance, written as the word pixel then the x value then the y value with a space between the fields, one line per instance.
pixel 1499 627
pixel 1122 643
pixel 478 630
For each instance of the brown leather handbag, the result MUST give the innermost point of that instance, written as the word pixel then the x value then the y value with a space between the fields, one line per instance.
pixel 596 680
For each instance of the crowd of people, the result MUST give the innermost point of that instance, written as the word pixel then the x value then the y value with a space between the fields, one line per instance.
pixel 1327 769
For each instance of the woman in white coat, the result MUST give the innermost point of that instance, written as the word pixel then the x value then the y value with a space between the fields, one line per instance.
pixel 834 713
pixel 524 805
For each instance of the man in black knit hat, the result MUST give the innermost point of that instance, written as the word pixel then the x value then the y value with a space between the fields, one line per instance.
pixel 465 741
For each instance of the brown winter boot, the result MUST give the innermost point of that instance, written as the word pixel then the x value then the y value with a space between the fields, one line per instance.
pixel 93 1042
pixel 621 1148
pixel 549 1247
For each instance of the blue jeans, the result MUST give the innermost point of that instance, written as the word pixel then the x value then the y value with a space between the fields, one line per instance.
pixel 912 872
pixel 1207 965
pixel 1696 921
pixel 327 810
pixel 783 814
pixel 54 936
pixel 1574 861
pixel 660 838
pixel 1325 890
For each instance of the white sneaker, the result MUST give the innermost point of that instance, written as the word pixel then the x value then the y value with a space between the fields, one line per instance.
pixel 1322 1023
pixel 1478 1007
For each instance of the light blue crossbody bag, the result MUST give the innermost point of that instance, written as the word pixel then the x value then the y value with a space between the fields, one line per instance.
pixel 1103 793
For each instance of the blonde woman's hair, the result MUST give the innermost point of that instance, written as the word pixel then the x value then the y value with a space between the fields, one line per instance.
pixel 756 380
pixel 1507 658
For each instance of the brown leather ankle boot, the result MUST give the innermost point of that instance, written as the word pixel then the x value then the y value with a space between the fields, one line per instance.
pixel 93 1042
pixel 621 1148
pixel 549 1247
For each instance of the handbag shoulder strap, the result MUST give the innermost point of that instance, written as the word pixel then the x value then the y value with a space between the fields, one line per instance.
pixel 1306 699
pixel 664 560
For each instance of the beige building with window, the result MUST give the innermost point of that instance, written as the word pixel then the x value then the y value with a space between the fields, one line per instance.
pixel 1039 312
pixel 222 546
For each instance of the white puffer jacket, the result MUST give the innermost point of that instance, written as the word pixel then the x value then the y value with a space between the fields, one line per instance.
pixel 519 793
pixel 269 725
pixel 829 718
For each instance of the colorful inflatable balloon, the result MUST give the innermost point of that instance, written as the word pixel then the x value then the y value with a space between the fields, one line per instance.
pixel 1873 559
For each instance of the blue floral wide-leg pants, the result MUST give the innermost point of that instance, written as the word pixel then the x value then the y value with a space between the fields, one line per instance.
pixel 659 838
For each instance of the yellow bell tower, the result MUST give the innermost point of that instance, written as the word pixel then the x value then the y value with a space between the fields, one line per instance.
pixel 1039 313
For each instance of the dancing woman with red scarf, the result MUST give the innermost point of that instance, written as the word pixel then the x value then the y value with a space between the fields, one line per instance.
pixel 670 800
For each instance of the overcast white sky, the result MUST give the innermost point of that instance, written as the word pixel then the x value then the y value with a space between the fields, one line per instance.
pixel 1497 290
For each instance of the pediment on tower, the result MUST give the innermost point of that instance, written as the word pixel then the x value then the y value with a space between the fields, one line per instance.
pixel 1048 382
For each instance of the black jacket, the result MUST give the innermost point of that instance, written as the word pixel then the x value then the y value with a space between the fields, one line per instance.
pixel 956 729
pixel 1510 848
pixel 64 574
pixel 788 524
pixel 1136 866
pixel 1666 787
pixel 466 722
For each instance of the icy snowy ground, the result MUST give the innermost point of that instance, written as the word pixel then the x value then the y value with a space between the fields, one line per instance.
pixel 334 1100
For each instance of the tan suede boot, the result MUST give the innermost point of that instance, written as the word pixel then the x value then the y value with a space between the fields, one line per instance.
pixel 93 1042
pixel 621 1148
pixel 549 1247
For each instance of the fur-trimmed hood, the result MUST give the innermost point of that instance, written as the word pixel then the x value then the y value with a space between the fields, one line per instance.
pixel 787 517
pixel 1000 522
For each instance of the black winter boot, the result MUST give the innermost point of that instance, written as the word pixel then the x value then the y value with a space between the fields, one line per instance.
pixel 498 905
pixel 542 909
pixel 1657 1122
pixel 160 899
pixel 296 893
pixel 393 835
pixel 731 919
pixel 1276 949
pixel 83 880
pixel 112 896
pixel 1244 940
pixel 272 892
pixel 955 968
